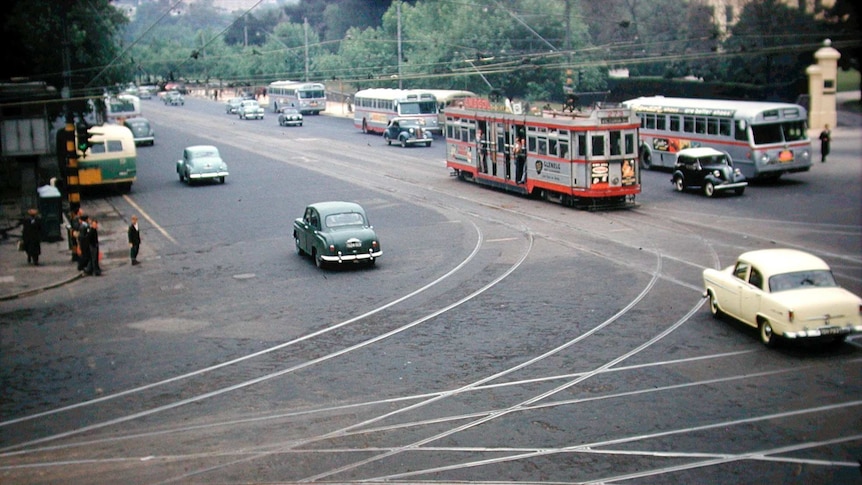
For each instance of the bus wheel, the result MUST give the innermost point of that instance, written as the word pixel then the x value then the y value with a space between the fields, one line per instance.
pixel 646 159
pixel 126 187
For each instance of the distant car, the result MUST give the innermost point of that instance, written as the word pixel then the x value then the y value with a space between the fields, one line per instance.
pixel 142 131
pixel 784 293
pixel 201 162
pixel 232 105
pixel 249 109
pixel 707 169
pixel 407 132
pixel 174 98
pixel 144 92
pixel 290 117
pixel 336 232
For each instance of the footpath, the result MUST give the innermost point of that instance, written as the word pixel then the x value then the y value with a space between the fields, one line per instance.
pixel 18 279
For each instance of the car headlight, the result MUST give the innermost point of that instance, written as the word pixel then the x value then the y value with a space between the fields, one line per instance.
pixel 716 173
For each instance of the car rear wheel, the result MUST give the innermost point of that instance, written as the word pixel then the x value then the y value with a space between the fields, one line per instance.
pixel 766 334
pixel 708 189
pixel 388 140
pixel 678 184
pixel 403 142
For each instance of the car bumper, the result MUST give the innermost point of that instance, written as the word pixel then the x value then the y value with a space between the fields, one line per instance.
pixel 731 185
pixel 291 122
pixel 208 175
pixel 823 332
pixel 351 258
pixel 418 141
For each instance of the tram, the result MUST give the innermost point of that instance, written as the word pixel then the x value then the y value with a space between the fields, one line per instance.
pixel 586 158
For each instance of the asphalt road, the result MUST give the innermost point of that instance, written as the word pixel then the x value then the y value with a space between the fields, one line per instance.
pixel 499 338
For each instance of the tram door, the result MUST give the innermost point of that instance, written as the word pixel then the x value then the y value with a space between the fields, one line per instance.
pixel 482 146
pixel 503 151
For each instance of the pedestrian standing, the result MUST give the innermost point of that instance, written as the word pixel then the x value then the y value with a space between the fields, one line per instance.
pixel 83 243
pixel 93 242
pixel 32 236
pixel 74 226
pixel 825 140
pixel 134 240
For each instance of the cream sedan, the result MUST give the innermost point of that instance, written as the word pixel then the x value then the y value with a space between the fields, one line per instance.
pixel 784 293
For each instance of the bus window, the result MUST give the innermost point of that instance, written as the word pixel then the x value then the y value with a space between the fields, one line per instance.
pixel 765 134
pixel 700 125
pixel 688 124
pixel 724 127
pixel 649 121
pixel 712 126
pixel 115 146
pixel 660 122
pixel 674 123
pixel 794 131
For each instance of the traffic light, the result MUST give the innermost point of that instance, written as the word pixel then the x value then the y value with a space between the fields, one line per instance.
pixel 84 138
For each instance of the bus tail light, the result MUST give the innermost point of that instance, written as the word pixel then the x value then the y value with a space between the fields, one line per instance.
pixel 790 315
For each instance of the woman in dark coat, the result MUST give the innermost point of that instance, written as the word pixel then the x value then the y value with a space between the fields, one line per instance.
pixel 32 236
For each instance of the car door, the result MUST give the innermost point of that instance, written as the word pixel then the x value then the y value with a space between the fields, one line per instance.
pixel 750 296
pixel 731 303
pixel 311 223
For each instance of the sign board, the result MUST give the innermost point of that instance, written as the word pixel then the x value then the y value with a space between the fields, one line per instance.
pixel 25 136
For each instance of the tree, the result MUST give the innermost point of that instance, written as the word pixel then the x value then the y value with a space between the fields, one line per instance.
pixel 37 32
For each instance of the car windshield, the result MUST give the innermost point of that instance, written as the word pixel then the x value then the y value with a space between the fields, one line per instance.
pixel 802 279
pixel 345 219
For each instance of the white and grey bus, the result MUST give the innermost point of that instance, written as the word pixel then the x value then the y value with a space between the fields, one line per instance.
pixel 764 139
pixel 373 108
pixel 307 97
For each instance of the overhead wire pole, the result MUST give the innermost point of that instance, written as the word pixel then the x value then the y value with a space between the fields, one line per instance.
pixel 73 193
pixel 398 11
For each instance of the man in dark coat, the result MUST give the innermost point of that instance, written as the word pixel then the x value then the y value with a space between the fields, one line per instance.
pixel 134 240
pixel 32 236
pixel 93 241
pixel 83 242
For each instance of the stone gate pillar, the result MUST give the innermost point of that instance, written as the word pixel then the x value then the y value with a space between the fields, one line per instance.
pixel 822 86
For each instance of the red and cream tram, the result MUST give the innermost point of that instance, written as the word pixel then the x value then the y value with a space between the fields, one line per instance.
pixel 584 158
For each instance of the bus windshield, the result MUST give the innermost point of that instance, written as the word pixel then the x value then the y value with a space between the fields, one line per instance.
pixel 778 132
pixel 417 108
pixel 310 94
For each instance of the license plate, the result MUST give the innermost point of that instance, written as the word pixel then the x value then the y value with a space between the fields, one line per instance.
pixel 830 331
pixel 785 156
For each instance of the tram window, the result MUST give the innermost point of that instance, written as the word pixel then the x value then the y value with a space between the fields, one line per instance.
pixel 724 127
pixel 630 144
pixel 472 134
pixel 616 143
pixel 542 146
pixel 564 149
pixel 464 135
pixel 597 145
pixel 531 144
pixel 552 147
pixel 660 123
pixel 115 146
pixel 688 124
pixel 674 123
pixel 582 145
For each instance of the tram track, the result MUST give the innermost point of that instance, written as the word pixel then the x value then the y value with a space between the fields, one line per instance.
pixel 377 421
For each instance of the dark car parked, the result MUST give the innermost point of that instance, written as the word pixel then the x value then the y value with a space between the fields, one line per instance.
pixel 407 131
pixel 707 169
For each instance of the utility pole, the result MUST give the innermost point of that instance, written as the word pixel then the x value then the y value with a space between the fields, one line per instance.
pixel 305 27
pixel 398 11
pixel 71 156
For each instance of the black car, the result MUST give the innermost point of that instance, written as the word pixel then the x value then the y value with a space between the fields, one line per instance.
pixel 407 131
pixel 707 169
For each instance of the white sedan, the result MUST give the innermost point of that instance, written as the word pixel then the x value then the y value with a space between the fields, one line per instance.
pixel 784 293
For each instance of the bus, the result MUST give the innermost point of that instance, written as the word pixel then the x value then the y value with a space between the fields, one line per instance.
pixel 111 158
pixel 764 139
pixel 585 158
pixel 307 97
pixel 121 107
pixel 373 108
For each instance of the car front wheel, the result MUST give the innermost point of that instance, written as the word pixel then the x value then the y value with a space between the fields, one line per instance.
pixel 678 184
pixel 388 140
pixel 708 189
pixel 318 261
pixel 713 306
